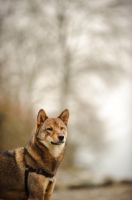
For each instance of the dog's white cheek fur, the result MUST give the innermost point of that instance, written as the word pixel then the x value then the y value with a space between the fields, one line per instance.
pixel 55 150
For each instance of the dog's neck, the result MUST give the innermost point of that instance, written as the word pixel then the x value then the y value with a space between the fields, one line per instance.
pixel 44 156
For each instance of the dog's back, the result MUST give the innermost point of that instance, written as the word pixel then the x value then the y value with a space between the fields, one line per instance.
pixel 12 174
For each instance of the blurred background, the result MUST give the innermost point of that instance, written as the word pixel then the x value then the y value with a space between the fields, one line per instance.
pixel 70 54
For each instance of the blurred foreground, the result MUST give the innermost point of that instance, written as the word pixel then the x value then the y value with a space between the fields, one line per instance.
pixel 79 185
pixel 117 192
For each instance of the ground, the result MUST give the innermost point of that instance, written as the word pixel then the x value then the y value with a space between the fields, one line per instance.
pixel 118 192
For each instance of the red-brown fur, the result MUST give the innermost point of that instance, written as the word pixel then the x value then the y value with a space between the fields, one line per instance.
pixel 44 150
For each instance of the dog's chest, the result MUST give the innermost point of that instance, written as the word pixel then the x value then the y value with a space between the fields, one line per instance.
pixel 56 150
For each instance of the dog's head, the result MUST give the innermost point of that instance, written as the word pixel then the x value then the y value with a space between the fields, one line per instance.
pixel 52 131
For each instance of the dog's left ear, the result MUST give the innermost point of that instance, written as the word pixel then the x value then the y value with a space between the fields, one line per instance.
pixel 41 117
pixel 64 116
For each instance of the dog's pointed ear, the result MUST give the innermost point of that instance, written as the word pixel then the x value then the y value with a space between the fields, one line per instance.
pixel 64 116
pixel 41 117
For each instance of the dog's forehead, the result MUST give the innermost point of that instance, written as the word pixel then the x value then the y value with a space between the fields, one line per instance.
pixel 54 122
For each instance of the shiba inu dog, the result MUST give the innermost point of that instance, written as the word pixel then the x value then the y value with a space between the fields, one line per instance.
pixel 28 172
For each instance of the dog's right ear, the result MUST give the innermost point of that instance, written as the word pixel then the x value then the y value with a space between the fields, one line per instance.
pixel 41 117
pixel 64 116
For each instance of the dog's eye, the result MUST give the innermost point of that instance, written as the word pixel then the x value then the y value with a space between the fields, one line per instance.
pixel 49 129
pixel 61 128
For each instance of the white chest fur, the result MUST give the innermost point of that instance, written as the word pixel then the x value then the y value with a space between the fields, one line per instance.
pixel 55 150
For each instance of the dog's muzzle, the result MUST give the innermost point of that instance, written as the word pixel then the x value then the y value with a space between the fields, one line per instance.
pixel 60 140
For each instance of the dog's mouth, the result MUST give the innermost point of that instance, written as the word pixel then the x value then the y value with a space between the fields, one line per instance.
pixel 57 143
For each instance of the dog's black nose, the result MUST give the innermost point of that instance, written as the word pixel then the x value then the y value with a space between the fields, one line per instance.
pixel 61 137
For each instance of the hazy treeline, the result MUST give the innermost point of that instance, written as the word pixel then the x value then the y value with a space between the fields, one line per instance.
pixel 59 54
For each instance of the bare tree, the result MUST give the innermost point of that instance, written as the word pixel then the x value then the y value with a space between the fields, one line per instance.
pixel 53 51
